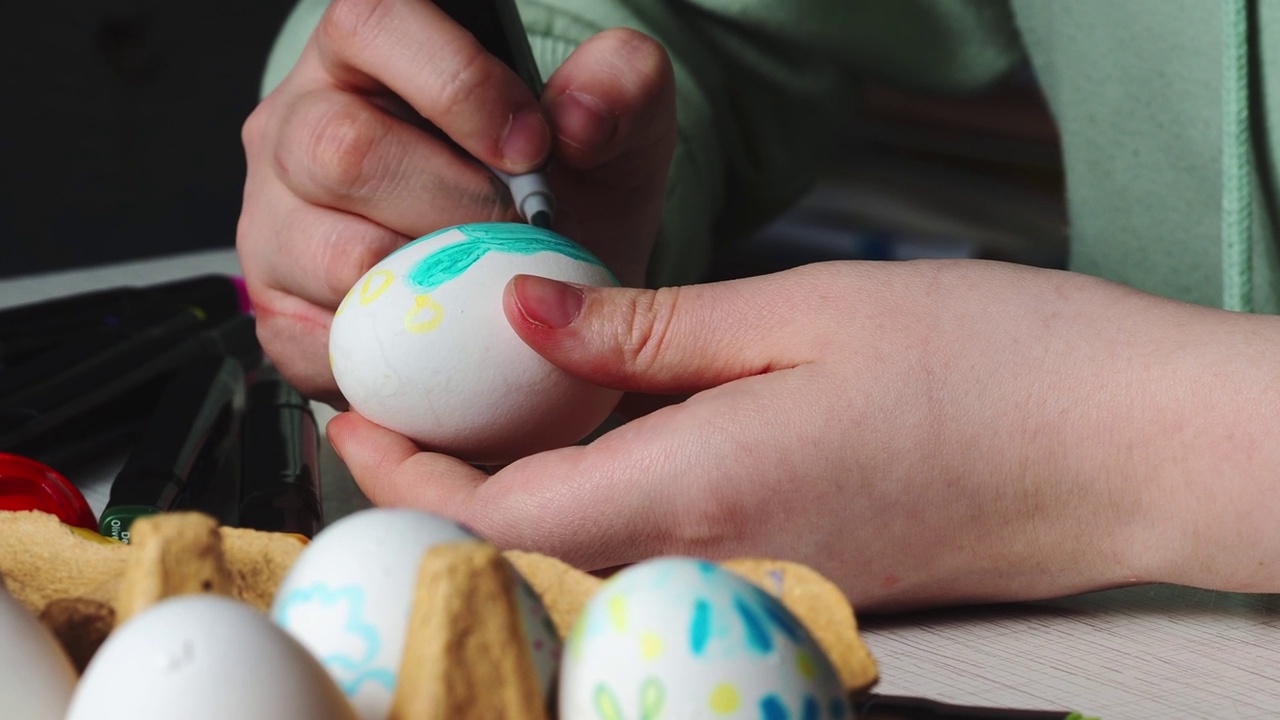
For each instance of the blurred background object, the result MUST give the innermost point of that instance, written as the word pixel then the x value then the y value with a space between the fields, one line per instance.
pixel 122 123
pixel 121 126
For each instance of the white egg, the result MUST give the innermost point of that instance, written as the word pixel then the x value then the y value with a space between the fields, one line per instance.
pixel 36 677
pixel 679 637
pixel 204 657
pixel 421 345
pixel 349 595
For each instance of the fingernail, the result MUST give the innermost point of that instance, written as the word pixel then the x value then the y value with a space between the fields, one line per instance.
pixel 527 140
pixel 546 302
pixel 583 121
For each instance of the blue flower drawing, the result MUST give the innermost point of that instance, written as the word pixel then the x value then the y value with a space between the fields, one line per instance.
pixel 351 670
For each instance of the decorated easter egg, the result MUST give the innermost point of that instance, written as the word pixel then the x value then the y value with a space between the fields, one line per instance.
pixel 204 657
pixel 679 637
pixel 349 595
pixel 36 677
pixel 421 345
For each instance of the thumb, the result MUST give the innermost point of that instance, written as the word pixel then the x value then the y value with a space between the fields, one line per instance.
pixel 668 341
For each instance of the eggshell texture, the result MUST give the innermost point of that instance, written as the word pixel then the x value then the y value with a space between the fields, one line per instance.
pixel 679 637
pixel 421 345
pixel 204 657
pixel 36 677
pixel 348 598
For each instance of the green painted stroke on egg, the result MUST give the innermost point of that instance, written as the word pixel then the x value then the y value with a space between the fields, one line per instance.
pixel 451 261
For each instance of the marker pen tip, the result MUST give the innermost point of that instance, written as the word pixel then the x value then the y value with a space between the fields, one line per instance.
pixel 541 219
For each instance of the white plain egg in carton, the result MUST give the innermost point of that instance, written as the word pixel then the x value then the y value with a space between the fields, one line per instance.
pixel 37 678
pixel 204 657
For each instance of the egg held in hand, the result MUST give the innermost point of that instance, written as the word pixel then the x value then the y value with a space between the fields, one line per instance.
pixel 421 345
pixel 681 637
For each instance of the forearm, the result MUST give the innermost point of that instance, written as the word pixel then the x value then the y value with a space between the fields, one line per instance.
pixel 1137 435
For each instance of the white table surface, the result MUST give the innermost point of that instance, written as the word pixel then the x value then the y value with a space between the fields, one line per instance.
pixel 1132 654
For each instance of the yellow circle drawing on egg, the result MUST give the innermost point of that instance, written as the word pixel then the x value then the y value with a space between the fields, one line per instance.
pixel 724 699
pixel 413 322
pixel 650 645
pixel 618 613
pixel 369 293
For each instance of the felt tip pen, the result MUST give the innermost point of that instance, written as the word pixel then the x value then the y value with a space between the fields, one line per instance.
pixel 104 374
pixel 31 328
pixel 497 26
pixel 183 446
pixel 280 468
pixel 894 707
pixel 153 355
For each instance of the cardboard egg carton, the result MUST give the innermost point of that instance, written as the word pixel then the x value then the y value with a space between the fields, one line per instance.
pixel 464 612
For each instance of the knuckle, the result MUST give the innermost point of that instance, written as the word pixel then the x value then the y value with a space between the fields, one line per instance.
pixel 469 73
pixel 347 23
pixel 343 260
pixel 647 63
pixel 253 131
pixel 647 56
pixel 652 319
pixel 336 143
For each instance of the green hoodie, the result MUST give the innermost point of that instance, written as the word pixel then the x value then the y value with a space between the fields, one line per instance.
pixel 1161 105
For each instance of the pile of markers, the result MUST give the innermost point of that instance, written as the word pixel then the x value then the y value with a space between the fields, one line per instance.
pixel 172 374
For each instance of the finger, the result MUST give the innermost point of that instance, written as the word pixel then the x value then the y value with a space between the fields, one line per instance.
pixel 417 52
pixel 614 96
pixel 668 341
pixel 312 252
pixel 295 335
pixel 659 485
pixel 544 516
pixel 392 471
pixel 341 151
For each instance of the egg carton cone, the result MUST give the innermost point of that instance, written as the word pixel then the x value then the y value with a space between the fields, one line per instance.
pixel 464 656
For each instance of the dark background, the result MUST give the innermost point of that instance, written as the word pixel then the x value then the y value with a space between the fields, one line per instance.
pixel 121 126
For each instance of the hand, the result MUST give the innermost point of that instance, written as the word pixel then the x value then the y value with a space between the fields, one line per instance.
pixel 357 152
pixel 922 433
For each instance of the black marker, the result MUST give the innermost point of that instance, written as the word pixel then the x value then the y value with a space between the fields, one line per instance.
pixel 497 25
pixel 184 446
pixel 27 330
pixel 893 707
pixel 34 416
pixel 280 468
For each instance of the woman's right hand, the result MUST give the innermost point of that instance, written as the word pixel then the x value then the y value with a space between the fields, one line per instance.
pixel 373 140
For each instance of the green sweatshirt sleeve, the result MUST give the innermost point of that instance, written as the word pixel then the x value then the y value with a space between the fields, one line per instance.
pixel 763 88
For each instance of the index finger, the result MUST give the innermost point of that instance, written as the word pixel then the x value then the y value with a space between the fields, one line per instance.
pixel 416 51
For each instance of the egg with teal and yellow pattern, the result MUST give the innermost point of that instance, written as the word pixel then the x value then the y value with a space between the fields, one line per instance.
pixel 681 637
pixel 421 345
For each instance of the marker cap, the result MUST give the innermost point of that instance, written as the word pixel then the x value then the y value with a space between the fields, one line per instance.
pixel 29 485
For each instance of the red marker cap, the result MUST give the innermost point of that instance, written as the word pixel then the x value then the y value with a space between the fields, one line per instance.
pixel 29 485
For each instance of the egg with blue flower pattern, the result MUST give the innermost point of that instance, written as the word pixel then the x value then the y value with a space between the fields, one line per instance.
pixel 682 637
pixel 421 345
pixel 349 595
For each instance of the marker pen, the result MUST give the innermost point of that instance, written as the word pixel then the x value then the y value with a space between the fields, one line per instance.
pixel 497 25
pixel 31 416
pixel 50 365
pixel 184 444
pixel 280 468
pixel 26 330
pixel 26 484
